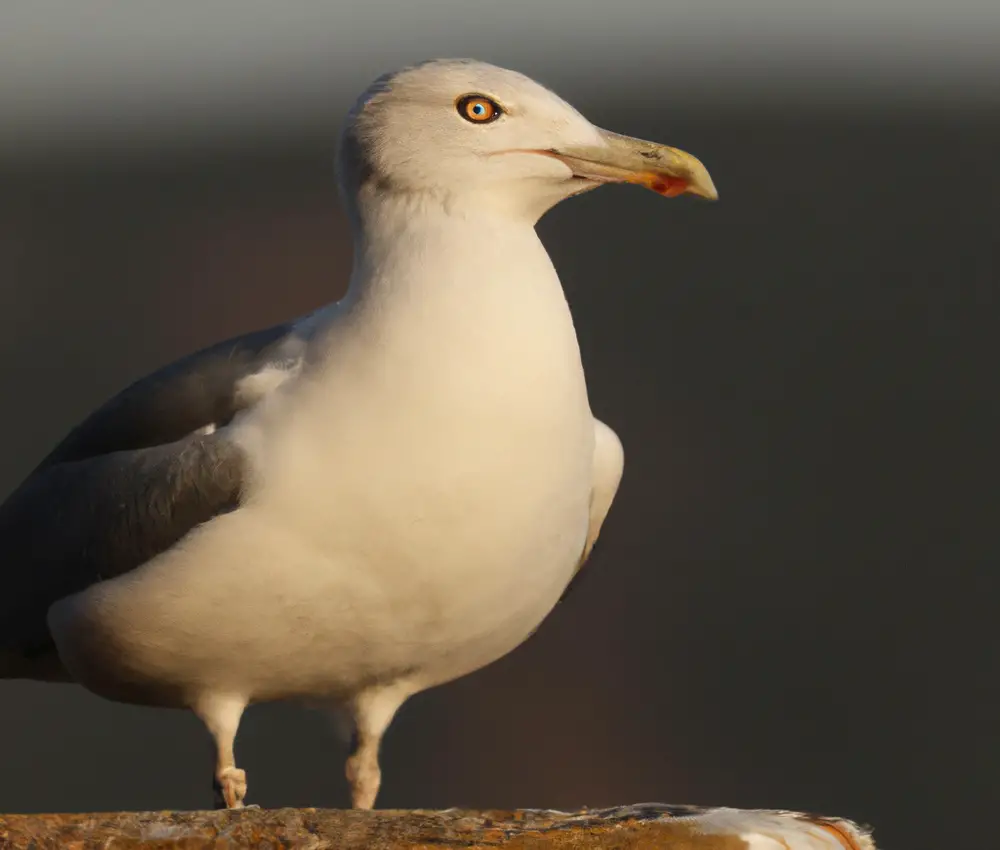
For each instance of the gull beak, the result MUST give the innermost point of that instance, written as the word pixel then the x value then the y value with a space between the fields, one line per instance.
pixel 621 159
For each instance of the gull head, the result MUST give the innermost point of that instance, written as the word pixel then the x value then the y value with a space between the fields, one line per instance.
pixel 470 133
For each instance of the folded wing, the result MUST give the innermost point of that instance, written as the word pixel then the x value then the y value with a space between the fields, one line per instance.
pixel 129 482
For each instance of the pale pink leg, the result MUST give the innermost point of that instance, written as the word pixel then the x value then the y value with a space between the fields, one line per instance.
pixel 373 712
pixel 221 715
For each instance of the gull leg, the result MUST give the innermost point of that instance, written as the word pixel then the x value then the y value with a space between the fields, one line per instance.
pixel 221 716
pixel 373 712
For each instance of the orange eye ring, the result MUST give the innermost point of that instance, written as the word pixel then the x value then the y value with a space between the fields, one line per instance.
pixel 478 108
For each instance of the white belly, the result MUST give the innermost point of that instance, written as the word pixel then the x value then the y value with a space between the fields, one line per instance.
pixel 414 586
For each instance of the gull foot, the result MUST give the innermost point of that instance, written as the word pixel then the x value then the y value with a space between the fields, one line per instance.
pixel 230 788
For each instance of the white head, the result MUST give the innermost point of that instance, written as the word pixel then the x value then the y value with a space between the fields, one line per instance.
pixel 469 132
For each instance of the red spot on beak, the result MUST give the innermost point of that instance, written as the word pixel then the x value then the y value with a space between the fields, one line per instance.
pixel 669 187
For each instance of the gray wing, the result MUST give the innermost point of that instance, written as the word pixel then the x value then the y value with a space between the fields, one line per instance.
pixel 127 483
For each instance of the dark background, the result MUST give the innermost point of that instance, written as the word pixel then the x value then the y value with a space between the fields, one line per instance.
pixel 794 603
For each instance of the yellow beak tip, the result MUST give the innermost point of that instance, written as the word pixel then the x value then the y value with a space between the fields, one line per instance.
pixel 708 192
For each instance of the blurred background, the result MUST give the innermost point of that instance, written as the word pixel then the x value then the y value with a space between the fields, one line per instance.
pixel 795 600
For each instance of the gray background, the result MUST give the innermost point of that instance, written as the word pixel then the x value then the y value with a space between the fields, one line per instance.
pixel 794 601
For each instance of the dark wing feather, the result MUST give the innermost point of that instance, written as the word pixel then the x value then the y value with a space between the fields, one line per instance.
pixel 173 401
pixel 126 484
pixel 73 524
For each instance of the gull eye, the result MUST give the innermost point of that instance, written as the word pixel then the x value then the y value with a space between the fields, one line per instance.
pixel 478 108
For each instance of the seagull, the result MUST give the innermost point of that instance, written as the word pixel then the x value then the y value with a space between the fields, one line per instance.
pixel 376 498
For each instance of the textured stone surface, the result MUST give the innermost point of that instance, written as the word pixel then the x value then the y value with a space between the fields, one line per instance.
pixel 650 826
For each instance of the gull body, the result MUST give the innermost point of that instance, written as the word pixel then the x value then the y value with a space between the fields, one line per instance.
pixel 374 531
pixel 400 486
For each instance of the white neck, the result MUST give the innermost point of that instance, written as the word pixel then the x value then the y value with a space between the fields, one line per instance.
pixel 467 292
